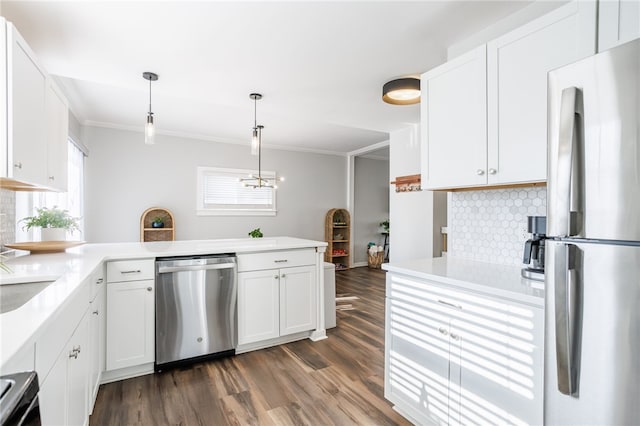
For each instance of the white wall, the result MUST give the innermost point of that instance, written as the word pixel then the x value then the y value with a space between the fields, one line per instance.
pixel 124 177
pixel 415 218
pixel 371 204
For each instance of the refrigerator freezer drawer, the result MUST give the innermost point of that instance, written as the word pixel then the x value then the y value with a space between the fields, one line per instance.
pixel 592 334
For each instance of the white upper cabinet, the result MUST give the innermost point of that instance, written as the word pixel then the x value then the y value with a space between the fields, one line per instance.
pixel 26 126
pixel 517 65
pixel 35 116
pixel 484 113
pixel 454 122
pixel 57 134
pixel 618 22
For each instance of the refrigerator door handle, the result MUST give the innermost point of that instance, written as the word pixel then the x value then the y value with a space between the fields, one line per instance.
pixel 571 113
pixel 568 316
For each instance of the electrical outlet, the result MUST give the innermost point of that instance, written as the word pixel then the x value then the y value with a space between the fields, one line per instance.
pixel 524 233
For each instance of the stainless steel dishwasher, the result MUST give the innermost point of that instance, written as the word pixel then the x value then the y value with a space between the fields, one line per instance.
pixel 196 315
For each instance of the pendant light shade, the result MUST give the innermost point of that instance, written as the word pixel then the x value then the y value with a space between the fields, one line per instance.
pixel 403 91
pixel 149 129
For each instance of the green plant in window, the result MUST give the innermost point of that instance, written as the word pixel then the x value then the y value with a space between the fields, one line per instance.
pixel 256 233
pixel 51 218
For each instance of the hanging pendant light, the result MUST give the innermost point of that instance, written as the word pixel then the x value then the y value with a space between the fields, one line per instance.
pixel 255 137
pixel 149 129
pixel 256 149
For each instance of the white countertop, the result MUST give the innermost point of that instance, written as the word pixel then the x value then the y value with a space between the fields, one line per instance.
pixel 71 268
pixel 495 280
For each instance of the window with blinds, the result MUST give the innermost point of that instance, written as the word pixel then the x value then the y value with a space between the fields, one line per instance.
pixel 221 193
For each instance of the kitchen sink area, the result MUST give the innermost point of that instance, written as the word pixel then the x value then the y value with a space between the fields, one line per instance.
pixel 13 296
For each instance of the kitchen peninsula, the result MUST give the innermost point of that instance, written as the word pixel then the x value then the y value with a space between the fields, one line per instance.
pixel 63 334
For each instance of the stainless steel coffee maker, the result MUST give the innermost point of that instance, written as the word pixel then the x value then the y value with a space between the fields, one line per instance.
pixel 534 248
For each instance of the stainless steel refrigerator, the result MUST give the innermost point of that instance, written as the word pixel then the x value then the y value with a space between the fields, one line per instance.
pixel 592 283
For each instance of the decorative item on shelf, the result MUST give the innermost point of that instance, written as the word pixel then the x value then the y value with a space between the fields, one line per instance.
pixel 409 183
pixel 54 223
pixel 384 225
pixel 256 149
pixel 157 224
pixel 339 252
pixel 375 255
pixel 402 91
pixel 256 233
pixel 149 129
pixel 158 221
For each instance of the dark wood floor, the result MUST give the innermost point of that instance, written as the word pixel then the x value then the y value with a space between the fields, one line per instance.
pixel 337 381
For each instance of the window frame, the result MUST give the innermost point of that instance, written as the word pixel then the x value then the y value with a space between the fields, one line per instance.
pixel 202 210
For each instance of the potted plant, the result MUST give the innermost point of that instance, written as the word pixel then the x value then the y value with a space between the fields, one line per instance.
pixel 158 221
pixel 385 226
pixel 256 233
pixel 54 222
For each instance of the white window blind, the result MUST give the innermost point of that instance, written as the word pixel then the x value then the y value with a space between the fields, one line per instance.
pixel 221 193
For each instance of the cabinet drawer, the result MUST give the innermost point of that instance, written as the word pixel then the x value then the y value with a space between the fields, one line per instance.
pixel 276 259
pixel 130 270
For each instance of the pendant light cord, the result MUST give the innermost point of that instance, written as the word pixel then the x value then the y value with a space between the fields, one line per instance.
pixel 150 97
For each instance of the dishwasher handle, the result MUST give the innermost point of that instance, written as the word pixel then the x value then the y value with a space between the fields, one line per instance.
pixel 169 269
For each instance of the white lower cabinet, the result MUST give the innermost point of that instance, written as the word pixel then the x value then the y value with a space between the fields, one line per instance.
pixel 130 324
pixel 97 325
pixel 457 357
pixel 63 394
pixel 276 302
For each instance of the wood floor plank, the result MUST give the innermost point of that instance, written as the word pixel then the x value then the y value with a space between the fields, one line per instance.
pixel 336 381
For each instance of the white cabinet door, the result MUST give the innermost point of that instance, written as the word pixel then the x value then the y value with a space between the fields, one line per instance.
pixel 297 299
pixel 77 375
pixel 618 22
pixel 517 64
pixel 56 137
pixel 3 95
pixel 258 306
pixel 53 393
pixel 130 324
pixel 96 345
pixel 63 394
pixel 454 122
pixel 26 87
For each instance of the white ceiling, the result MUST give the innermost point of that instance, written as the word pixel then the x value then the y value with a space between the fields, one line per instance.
pixel 319 65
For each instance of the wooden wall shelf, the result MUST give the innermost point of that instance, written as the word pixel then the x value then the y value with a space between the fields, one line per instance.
pixel 337 233
pixel 149 233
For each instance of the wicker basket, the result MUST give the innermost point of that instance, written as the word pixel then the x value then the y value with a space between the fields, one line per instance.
pixel 375 260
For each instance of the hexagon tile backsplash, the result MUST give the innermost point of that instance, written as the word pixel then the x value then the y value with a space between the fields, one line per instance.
pixel 491 226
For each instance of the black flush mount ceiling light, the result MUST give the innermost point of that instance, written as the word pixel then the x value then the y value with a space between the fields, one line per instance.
pixel 256 149
pixel 402 91
pixel 149 130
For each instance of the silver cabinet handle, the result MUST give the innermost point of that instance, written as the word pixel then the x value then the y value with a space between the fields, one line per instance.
pixel 479 172
pixel 99 280
pixel 443 331
pixel 18 165
pixel 455 336
pixel 133 271
pixel 449 304
pixel 275 277
pixel 283 276
pixel 73 354
pixel 492 171
pixel 281 261
pixel 149 288
pixel 76 349
pixel 95 312
pixel 52 178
